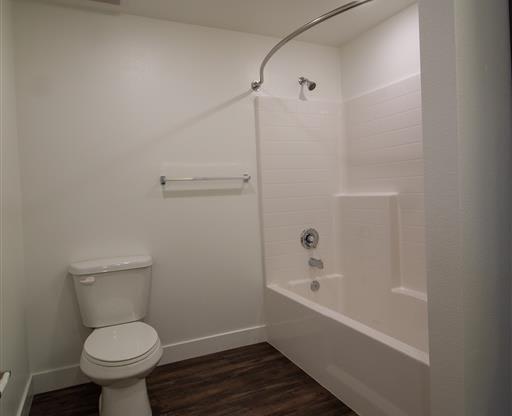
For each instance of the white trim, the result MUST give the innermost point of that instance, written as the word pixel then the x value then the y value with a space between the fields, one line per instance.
pixel 26 399
pixel 214 343
pixel 63 377
pixel 57 378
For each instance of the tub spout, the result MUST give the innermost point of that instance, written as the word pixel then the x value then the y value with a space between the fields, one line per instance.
pixel 319 264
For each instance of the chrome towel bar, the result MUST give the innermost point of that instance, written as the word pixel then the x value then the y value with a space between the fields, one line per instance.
pixel 245 177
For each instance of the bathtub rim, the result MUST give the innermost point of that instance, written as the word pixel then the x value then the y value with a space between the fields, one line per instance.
pixel 389 341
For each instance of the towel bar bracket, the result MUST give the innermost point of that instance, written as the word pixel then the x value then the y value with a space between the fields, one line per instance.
pixel 4 379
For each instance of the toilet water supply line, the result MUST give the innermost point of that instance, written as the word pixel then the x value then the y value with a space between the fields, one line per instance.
pixel 256 85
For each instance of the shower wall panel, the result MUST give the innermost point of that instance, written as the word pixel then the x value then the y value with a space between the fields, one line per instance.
pixel 298 158
pixel 385 154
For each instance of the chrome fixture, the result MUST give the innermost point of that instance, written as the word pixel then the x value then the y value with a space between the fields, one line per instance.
pixel 315 285
pixel 309 238
pixel 311 85
pixel 316 263
pixel 4 379
pixel 256 85
pixel 245 178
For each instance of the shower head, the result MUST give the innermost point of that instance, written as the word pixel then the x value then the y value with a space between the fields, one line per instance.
pixel 310 84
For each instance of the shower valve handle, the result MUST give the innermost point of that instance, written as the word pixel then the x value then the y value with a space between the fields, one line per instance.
pixel 309 238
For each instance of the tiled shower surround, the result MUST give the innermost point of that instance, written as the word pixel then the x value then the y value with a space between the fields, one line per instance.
pixel 385 154
pixel 298 155
pixel 353 171
pixel 313 153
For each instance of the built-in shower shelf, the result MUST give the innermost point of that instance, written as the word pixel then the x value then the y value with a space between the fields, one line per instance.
pixel 369 233
pixel 410 292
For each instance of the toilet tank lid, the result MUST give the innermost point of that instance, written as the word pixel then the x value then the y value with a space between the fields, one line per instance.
pixel 109 265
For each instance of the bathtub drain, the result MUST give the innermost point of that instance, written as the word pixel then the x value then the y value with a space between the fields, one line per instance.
pixel 315 285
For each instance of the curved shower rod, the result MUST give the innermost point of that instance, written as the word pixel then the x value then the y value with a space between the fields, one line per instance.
pixel 256 85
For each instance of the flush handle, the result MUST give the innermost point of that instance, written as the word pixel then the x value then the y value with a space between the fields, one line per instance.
pixel 88 281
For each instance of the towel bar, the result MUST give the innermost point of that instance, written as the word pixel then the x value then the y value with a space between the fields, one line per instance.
pixel 245 177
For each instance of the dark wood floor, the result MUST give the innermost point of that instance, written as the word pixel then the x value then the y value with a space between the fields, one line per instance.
pixel 251 381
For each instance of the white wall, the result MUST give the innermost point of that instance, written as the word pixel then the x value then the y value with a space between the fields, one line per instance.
pixel 385 54
pixel 13 342
pixel 466 102
pixel 103 101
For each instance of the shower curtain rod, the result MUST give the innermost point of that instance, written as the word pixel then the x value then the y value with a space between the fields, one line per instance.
pixel 256 85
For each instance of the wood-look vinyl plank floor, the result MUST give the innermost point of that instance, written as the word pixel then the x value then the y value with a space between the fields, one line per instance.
pixel 255 380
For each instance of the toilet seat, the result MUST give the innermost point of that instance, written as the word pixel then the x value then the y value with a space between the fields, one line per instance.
pixel 121 345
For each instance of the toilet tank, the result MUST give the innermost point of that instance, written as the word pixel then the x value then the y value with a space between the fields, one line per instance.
pixel 112 291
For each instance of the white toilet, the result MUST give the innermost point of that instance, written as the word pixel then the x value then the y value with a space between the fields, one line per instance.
pixel 121 351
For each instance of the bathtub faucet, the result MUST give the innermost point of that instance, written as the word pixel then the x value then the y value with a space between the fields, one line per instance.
pixel 319 264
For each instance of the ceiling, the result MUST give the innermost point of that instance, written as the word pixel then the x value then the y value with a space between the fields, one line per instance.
pixel 266 17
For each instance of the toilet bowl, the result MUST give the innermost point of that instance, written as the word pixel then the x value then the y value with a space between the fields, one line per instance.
pixel 118 358
pixel 122 350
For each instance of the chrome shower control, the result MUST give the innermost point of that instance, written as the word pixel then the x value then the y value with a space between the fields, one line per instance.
pixel 309 238
pixel 317 263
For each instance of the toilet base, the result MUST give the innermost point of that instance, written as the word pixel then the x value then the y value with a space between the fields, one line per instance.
pixel 125 398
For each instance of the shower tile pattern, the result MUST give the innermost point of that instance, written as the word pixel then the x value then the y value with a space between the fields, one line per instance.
pixel 298 150
pixel 385 154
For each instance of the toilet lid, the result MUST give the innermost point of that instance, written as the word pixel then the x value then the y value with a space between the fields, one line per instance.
pixel 120 342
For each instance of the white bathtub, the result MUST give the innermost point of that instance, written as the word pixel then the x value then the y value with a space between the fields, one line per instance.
pixel 368 351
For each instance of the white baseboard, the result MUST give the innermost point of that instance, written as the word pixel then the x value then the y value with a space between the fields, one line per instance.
pixel 197 347
pixel 57 378
pixel 63 377
pixel 26 399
